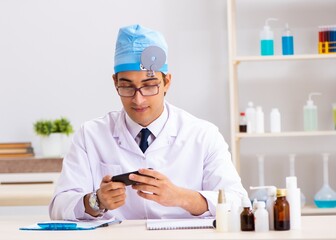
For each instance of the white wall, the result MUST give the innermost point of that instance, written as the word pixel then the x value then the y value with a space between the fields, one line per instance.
pixel 56 59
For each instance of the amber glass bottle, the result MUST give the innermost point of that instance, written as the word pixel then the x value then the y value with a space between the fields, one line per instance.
pixel 246 217
pixel 281 211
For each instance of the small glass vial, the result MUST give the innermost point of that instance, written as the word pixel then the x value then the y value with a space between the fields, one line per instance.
pixel 246 216
pixel 281 211
pixel 242 123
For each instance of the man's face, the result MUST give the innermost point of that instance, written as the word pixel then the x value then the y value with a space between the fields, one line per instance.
pixel 142 109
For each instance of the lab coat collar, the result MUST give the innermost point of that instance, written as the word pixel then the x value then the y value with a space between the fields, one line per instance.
pixel 126 141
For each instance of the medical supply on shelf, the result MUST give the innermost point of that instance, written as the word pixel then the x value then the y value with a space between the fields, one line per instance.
pixel 287 41
pixel 294 200
pixel 275 121
pixel 246 216
pixel 250 114
pixel 242 123
pixel 326 196
pixel 260 127
pixel 327 39
pixel 281 211
pixel 222 210
pixel 267 39
pixel 310 122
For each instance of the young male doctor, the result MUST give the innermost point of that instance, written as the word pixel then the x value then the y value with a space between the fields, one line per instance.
pixel 183 160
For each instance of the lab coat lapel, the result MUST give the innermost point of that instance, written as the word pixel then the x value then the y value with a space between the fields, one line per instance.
pixel 123 136
pixel 168 133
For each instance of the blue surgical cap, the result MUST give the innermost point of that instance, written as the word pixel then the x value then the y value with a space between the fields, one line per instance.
pixel 131 42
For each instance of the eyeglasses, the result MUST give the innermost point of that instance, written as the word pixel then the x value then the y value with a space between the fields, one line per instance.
pixel 145 91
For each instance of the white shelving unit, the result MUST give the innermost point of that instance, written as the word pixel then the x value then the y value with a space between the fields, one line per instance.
pixel 234 62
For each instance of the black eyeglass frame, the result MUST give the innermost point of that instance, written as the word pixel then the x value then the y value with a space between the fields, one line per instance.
pixel 139 89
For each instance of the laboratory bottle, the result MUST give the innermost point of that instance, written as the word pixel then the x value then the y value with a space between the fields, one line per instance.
pixel 294 200
pixel 310 114
pixel 250 117
pixel 326 196
pixel 234 218
pixel 271 197
pixel 267 39
pixel 287 41
pixel 222 210
pixel 281 211
pixel 259 120
pixel 275 120
pixel 246 216
pixel 242 123
pixel 261 218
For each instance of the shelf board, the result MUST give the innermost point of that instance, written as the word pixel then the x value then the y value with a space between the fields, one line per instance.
pixel 286 134
pixel 312 210
pixel 239 59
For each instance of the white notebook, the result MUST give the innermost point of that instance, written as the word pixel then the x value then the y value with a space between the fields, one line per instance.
pixel 171 224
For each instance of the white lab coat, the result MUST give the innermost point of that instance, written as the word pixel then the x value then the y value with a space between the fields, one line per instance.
pixel 189 151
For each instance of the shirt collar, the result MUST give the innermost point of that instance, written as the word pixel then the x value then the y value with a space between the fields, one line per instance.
pixel 155 127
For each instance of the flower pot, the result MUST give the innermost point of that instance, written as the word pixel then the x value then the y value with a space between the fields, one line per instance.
pixel 52 145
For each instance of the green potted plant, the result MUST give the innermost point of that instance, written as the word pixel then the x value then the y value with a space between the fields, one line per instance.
pixel 53 135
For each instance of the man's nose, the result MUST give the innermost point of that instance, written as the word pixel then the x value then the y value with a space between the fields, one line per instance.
pixel 138 98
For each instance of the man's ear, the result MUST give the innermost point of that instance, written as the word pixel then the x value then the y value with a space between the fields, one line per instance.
pixel 115 80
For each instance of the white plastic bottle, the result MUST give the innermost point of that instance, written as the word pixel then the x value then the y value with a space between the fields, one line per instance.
pixel 271 197
pixel 267 39
pixel 259 120
pixel 234 218
pixel 261 218
pixel 222 211
pixel 250 114
pixel 294 200
pixel 275 120
pixel 310 122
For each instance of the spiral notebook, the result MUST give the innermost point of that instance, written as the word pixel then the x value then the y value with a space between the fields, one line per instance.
pixel 171 224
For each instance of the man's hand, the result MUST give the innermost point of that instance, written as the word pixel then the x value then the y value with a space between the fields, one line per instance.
pixel 111 195
pixel 159 188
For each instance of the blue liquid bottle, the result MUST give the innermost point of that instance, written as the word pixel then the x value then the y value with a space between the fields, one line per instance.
pixel 287 42
pixel 326 196
pixel 267 39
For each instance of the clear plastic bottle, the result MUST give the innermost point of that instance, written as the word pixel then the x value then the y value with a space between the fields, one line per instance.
pixel 287 41
pixel 275 120
pixel 281 211
pixel 222 210
pixel 310 122
pixel 267 39
pixel 246 216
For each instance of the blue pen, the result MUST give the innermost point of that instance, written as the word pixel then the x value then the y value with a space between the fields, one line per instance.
pixel 58 226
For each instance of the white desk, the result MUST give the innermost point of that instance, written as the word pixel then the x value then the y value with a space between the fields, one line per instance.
pixel 313 227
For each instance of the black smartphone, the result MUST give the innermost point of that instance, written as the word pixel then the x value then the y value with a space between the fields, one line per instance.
pixel 124 178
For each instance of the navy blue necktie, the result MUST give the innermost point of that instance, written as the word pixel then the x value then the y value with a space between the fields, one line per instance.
pixel 144 136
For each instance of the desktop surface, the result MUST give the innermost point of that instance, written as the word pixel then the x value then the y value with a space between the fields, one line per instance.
pixel 313 227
